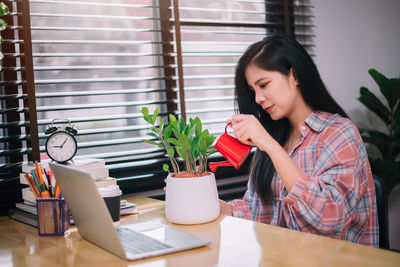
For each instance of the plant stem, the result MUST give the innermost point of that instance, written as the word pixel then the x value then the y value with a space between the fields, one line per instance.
pixel 171 159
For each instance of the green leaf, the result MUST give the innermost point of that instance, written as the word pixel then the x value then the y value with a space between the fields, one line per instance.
pixel 181 124
pixel 211 151
pixel 153 143
pixel 396 118
pixel 154 129
pixel 161 128
pixel 172 120
pixel 145 110
pixel 380 140
pixel 395 148
pixel 181 153
pixel 184 141
pixel 3 24
pixel 189 131
pixel 165 167
pixel 155 115
pixel 395 88
pixel 195 142
pixel 4 10
pixel 202 144
pixel 198 125
pixel 152 134
pixel 176 132
pixel 210 140
pixel 167 131
pixel 374 104
pixel 387 170
pixel 171 151
pixel 384 86
pixel 174 141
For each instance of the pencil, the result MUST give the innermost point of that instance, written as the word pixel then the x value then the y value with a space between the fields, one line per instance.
pixel 31 184
pixel 38 172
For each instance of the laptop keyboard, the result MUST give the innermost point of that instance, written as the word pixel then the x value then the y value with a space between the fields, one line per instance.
pixel 137 243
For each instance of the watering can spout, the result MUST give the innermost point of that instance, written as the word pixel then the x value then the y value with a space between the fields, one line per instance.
pixel 214 165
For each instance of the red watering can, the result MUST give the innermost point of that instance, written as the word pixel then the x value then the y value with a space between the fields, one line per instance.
pixel 232 149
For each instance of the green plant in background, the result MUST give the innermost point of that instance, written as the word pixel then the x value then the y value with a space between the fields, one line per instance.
pixel 387 141
pixel 190 142
pixel 4 10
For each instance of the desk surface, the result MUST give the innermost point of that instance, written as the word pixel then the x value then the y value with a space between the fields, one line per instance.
pixel 235 242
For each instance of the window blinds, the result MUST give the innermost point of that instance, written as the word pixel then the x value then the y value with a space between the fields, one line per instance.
pixel 97 63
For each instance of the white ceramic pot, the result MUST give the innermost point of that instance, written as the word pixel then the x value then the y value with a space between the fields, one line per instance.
pixel 191 200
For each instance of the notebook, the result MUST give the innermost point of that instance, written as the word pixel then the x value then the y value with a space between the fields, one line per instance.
pixel 94 223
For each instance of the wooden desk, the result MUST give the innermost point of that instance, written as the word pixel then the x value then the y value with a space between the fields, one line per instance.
pixel 235 242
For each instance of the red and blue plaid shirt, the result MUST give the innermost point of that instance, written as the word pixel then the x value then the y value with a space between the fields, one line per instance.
pixel 334 195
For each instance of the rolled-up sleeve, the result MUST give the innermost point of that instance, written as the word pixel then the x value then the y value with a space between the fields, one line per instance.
pixel 241 207
pixel 252 208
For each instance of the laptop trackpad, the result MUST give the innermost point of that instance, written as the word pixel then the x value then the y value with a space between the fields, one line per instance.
pixel 167 234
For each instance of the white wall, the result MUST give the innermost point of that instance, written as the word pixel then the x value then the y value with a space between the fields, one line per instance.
pixel 353 36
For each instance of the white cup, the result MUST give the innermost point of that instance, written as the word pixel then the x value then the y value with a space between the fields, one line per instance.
pixel 112 197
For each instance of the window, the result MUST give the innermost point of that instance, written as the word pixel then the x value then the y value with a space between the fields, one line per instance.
pixel 97 63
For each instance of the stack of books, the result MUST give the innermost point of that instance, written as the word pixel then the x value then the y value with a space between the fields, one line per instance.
pixel 26 211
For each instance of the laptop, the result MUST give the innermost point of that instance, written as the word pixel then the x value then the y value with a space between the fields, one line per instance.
pixel 94 223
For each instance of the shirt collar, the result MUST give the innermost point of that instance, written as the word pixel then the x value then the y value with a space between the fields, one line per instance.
pixel 317 120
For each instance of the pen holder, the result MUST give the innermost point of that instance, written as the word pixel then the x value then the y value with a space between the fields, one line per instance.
pixel 53 216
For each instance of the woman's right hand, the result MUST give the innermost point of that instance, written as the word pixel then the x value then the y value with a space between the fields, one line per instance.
pixel 250 131
pixel 225 208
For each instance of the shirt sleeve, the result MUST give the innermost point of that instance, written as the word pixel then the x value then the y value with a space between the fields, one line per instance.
pixel 324 202
pixel 241 207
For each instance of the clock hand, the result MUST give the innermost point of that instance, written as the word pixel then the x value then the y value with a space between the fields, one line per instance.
pixel 64 142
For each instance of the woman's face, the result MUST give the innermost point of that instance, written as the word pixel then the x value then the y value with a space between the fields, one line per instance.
pixel 276 93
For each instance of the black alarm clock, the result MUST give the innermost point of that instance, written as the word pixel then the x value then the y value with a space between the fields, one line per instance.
pixel 61 145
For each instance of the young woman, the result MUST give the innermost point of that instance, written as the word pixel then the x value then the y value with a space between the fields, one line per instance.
pixel 310 171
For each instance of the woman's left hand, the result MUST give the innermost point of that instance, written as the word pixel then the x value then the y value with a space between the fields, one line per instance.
pixel 249 131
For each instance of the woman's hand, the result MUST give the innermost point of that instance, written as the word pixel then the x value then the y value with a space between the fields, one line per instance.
pixel 249 131
pixel 225 208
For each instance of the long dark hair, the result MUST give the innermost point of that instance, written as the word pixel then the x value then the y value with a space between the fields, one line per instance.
pixel 278 53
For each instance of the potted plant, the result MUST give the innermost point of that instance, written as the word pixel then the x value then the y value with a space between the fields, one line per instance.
pixel 387 166
pixel 191 195
pixel 4 10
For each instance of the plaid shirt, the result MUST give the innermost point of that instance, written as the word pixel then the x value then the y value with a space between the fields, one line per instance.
pixel 334 195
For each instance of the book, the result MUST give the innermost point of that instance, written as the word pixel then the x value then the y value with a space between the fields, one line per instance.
pixel 128 208
pixel 26 212
pixel 28 195
pixel 23 216
pixel 105 181
pixel 125 207
pixel 27 207
pixel 30 166
pixel 96 167
pixel 88 164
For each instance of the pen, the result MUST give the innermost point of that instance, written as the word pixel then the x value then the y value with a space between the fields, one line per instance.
pixel 46 176
pixel 36 181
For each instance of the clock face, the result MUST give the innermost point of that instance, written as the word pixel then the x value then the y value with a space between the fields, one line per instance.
pixel 61 146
